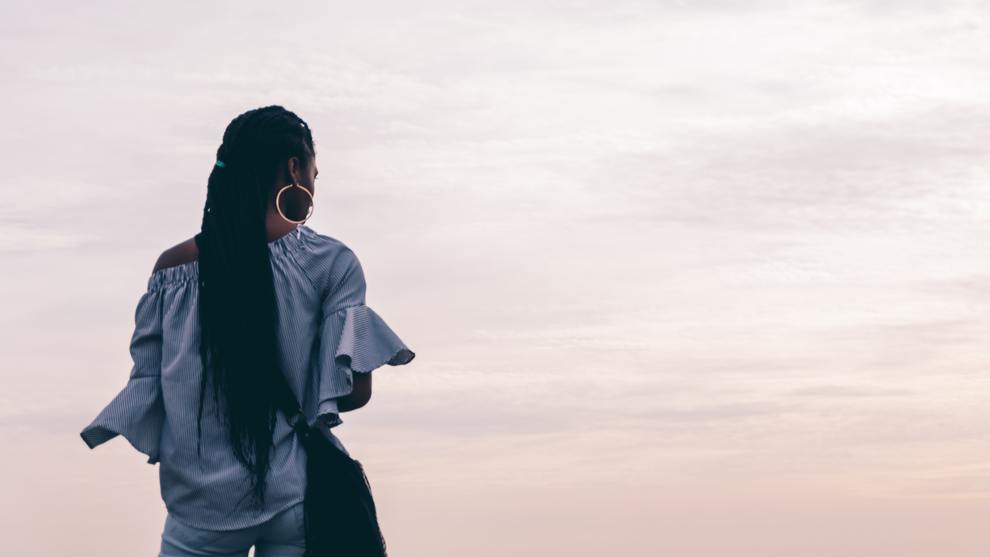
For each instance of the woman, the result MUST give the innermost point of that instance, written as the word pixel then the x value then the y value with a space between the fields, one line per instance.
pixel 255 293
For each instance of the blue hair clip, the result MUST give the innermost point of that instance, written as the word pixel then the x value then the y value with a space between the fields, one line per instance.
pixel 220 164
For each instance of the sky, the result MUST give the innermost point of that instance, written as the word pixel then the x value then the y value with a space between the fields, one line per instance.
pixel 687 278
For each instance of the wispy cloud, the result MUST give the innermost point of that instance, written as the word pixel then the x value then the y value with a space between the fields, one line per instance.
pixel 701 253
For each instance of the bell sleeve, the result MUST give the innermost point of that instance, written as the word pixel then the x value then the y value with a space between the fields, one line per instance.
pixel 353 337
pixel 137 412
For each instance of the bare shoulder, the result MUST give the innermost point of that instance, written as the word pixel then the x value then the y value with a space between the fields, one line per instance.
pixel 183 252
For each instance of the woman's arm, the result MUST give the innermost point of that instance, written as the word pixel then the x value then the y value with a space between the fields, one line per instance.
pixel 359 396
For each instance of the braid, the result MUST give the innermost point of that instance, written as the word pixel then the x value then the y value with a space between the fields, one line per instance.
pixel 238 310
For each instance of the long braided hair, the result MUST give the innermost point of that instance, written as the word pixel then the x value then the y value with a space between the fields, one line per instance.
pixel 237 303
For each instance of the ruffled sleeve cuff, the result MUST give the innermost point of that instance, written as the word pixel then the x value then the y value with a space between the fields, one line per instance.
pixel 367 342
pixel 138 411
pixel 353 339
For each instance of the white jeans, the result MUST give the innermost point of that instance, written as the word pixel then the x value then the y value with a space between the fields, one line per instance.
pixel 281 536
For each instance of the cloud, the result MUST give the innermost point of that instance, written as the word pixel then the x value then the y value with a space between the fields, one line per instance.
pixel 849 391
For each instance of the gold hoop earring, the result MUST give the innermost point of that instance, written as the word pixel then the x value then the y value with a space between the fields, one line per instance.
pixel 309 212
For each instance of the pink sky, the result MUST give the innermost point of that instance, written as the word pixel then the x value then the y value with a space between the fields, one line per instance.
pixel 683 278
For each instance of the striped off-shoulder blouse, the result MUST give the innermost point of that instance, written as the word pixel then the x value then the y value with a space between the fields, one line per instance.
pixel 326 333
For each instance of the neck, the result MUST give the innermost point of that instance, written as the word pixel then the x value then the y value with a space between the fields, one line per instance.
pixel 277 226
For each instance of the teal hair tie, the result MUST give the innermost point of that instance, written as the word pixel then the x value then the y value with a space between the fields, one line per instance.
pixel 220 164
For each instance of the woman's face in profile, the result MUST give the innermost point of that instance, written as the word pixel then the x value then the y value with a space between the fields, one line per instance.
pixel 293 201
pixel 306 174
pixel 311 173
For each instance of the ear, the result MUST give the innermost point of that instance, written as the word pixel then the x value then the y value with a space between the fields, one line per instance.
pixel 295 169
